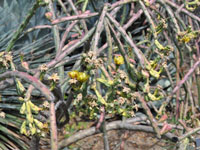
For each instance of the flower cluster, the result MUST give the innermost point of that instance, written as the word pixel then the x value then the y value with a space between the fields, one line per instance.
pixel 91 62
pixel 86 106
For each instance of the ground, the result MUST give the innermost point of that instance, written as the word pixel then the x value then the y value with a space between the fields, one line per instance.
pixel 134 140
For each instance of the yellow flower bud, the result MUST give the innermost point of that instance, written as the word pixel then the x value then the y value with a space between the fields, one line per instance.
pixel 32 128
pixel 23 108
pixel 38 124
pixel 20 86
pixel 82 77
pixel 34 107
pixel 23 128
pixel 119 60
pixel 73 74
pixel 29 116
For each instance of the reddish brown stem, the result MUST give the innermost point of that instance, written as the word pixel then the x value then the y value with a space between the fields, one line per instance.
pixel 101 118
pixel 149 114
pixel 54 138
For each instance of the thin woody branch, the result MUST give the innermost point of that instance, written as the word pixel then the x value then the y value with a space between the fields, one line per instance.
pixel 84 15
pixel 149 114
pixel 99 29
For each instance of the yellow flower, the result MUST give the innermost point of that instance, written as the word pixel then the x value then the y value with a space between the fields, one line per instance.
pixel 119 60
pixel 186 39
pixel 73 74
pixel 54 77
pixel 82 77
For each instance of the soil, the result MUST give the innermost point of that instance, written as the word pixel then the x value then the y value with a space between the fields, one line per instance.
pixel 126 140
